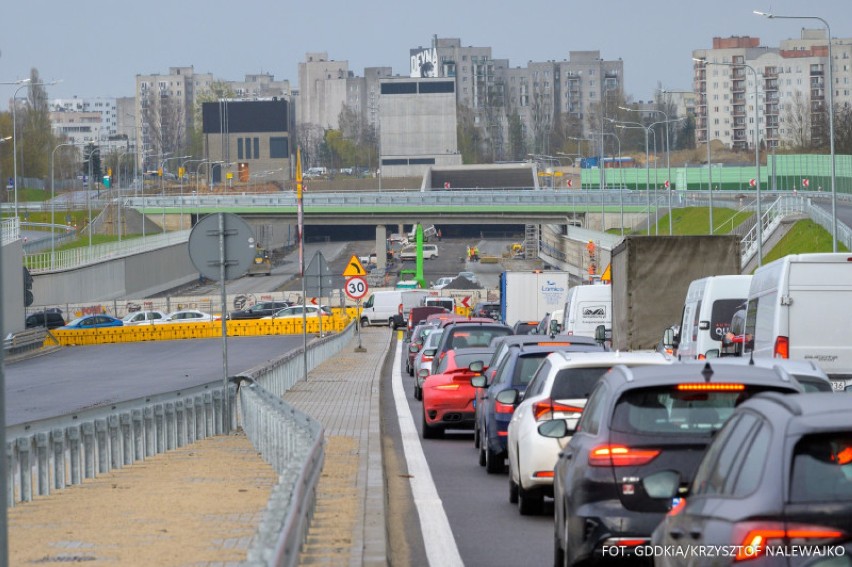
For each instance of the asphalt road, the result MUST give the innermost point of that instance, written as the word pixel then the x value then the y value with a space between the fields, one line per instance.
pixel 84 377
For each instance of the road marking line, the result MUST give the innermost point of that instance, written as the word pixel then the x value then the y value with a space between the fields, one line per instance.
pixel 438 539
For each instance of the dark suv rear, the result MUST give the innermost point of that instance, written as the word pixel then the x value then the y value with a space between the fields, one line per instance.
pixel 50 319
pixel 640 421
pixel 467 334
pixel 259 310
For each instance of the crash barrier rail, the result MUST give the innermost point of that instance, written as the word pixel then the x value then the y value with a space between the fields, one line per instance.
pixel 54 454
pixel 203 329
pixel 25 340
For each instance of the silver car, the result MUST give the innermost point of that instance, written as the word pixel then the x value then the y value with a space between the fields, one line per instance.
pixel 423 361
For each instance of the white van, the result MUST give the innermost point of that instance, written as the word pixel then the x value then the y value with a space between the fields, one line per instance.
pixel 410 252
pixel 799 307
pixel 381 308
pixel 709 306
pixel 586 308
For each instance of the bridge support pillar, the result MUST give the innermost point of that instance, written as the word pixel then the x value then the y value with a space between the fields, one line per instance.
pixel 381 246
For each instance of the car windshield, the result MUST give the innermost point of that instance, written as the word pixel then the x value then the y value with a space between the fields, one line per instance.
pixel 525 368
pixel 76 321
pixel 574 383
pixel 477 336
pixel 822 468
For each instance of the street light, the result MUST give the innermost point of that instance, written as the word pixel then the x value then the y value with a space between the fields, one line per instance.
pixel 53 204
pixel 620 124
pixel 756 149
pixel 830 118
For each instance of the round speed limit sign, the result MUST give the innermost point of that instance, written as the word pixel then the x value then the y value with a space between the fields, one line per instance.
pixel 356 287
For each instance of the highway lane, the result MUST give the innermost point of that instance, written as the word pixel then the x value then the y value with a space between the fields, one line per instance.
pixel 488 530
pixel 76 378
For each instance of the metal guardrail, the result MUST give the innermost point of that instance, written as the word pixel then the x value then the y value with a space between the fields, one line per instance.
pixel 10 230
pixel 52 454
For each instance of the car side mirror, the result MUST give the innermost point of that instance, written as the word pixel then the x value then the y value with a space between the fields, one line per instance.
pixel 600 333
pixel 476 366
pixel 509 397
pixel 668 336
pixel 555 327
pixel 478 382
pixel 423 372
pixel 430 352
pixel 555 428
pixel 414 348
pixel 712 353
pixel 663 484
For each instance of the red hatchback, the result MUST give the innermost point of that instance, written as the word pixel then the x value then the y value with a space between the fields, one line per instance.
pixel 448 395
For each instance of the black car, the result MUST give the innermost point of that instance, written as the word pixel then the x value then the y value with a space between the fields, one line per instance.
pixel 466 334
pixel 259 310
pixel 639 421
pixel 49 318
pixel 775 483
pixel 515 370
pixel 486 309
pixel 524 327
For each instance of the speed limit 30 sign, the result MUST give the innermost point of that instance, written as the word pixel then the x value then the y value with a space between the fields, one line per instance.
pixel 356 287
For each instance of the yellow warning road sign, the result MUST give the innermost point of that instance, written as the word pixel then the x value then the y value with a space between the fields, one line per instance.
pixel 607 275
pixel 354 267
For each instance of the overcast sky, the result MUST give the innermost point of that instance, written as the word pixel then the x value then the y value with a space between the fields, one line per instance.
pixel 97 47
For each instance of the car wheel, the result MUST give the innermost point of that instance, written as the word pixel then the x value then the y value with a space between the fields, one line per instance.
pixel 365 322
pixel 418 393
pixel 493 462
pixel 529 501
pixel 513 491
pixel 476 437
pixel 430 432
pixel 558 553
pixel 482 453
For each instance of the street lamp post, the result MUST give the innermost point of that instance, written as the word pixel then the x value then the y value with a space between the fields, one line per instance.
pixel 756 150
pixel 25 83
pixel 620 124
pixel 53 205
pixel 830 118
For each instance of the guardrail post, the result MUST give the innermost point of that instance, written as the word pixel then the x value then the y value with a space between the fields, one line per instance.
pixel 58 440
pixel 26 469
pixel 208 414
pixel 10 477
pixel 114 426
pixel 218 414
pixel 190 420
pixel 159 426
pixel 138 434
pixel 170 418
pixel 102 444
pixel 180 422
pixel 150 432
pixel 73 434
pixel 42 443
pixel 89 449
pixel 127 438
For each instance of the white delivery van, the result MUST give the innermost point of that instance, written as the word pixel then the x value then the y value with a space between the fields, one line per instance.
pixel 586 308
pixel 709 306
pixel 381 308
pixel 410 252
pixel 799 307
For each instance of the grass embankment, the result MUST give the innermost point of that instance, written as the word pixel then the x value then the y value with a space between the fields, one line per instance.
pixel 805 236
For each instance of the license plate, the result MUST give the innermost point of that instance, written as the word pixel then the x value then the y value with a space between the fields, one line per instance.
pixel 838 386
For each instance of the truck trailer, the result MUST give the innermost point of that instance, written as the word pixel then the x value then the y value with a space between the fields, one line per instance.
pixel 530 296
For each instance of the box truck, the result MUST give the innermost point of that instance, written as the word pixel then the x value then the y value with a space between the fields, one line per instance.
pixel 530 296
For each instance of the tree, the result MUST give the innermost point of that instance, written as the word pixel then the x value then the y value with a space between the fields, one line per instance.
pixel 469 136
pixel 517 138
pixel 218 90
pixel 310 138
pixel 843 130
pixel 35 137
pixel 797 122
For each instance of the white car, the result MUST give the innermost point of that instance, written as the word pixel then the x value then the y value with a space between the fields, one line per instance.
pixel 410 252
pixel 558 390
pixel 423 361
pixel 143 317
pixel 189 316
pixel 297 311
pixel 441 283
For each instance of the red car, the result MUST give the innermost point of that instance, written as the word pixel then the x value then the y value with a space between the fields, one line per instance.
pixel 448 395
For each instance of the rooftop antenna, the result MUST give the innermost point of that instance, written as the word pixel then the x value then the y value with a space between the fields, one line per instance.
pixel 707 372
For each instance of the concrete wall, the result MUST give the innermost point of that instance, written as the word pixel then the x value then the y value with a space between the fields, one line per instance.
pixel 13 287
pixel 139 275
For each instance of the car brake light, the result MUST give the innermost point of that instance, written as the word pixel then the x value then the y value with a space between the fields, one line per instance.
pixel 447 387
pixel 503 408
pixel 760 535
pixel 554 344
pixel 620 456
pixel 543 474
pixel 705 387
pixel 544 407
pixel 702 357
pixel 782 347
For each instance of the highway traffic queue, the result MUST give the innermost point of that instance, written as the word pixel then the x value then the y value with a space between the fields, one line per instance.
pixel 662 459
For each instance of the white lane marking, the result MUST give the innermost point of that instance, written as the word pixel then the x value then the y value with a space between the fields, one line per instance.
pixel 441 548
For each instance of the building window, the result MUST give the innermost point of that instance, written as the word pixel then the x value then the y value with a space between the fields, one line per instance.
pixel 239 148
pixel 257 148
pixel 279 147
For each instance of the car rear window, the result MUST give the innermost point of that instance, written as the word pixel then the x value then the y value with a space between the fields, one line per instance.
pixel 464 360
pixel 573 383
pixel 525 368
pixel 822 468
pixel 667 409
pixel 477 336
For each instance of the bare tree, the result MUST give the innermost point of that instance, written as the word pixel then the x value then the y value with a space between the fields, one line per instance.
pixel 310 138
pixel 36 137
pixel 797 122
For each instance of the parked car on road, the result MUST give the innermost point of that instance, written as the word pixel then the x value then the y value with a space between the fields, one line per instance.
pixel 143 317
pixel 637 422
pixel 49 318
pixel 259 310
pixel 299 311
pixel 93 322
pixel 189 316
pixel 777 478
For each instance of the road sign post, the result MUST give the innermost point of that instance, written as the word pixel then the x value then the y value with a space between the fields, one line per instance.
pixel 356 288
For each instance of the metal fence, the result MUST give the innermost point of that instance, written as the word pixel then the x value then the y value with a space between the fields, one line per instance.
pixel 52 454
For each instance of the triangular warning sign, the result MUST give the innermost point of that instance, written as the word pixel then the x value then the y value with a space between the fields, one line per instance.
pixel 607 275
pixel 354 267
